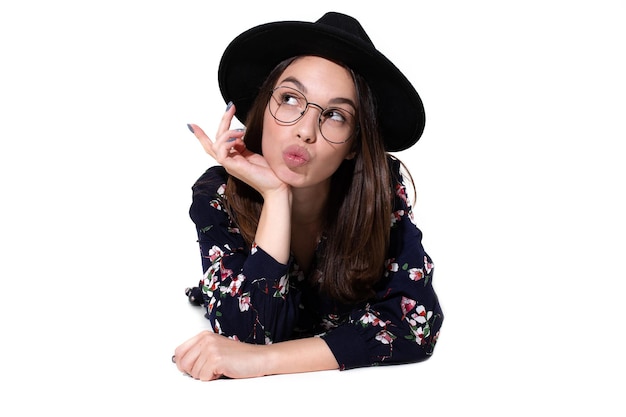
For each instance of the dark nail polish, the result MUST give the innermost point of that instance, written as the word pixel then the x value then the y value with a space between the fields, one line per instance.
pixel 229 105
pixel 190 128
pixel 231 139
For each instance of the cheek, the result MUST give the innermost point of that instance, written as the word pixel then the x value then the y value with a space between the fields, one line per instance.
pixel 333 159
pixel 269 132
pixel 338 153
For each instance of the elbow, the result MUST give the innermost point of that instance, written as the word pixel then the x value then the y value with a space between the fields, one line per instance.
pixel 422 338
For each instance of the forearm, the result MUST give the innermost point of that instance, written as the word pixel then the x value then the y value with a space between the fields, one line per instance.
pixel 300 355
pixel 274 229
pixel 209 356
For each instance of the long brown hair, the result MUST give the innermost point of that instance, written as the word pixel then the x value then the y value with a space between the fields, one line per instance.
pixel 355 235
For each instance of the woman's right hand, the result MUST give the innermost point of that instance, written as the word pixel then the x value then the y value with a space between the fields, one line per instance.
pixel 273 232
pixel 229 150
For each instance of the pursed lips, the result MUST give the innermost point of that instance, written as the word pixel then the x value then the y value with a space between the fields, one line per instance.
pixel 296 156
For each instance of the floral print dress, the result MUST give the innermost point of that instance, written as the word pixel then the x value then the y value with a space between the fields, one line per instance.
pixel 251 297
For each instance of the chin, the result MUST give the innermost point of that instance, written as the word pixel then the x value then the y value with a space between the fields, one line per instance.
pixel 290 177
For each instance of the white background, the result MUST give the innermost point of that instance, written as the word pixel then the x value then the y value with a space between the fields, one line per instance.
pixel 520 195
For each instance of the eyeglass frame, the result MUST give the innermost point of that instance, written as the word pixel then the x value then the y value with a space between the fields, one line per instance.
pixel 319 119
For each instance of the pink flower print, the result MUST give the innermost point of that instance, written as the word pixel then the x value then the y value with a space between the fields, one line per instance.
pixel 211 305
pixel 416 274
pixel 418 332
pixel 244 302
pixel 209 284
pixel 396 216
pixel 385 337
pixel 391 266
pixel 406 304
pixel 253 249
pixel 215 253
pixel 216 204
pixel 281 286
pixel 428 265
pixel 401 192
pixel 217 327
pixel 235 283
pixel 221 190
pixel 225 272
pixel 421 315
pixel 419 324
pixel 372 319
pixel 210 281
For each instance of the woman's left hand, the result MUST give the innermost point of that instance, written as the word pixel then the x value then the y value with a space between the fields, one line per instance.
pixel 209 356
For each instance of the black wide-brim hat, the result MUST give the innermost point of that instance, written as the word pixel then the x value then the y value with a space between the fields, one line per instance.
pixel 251 56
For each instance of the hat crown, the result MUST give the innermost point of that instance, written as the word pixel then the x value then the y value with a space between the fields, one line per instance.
pixel 252 55
pixel 345 23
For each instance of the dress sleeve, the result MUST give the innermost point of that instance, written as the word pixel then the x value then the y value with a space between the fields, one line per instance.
pixel 244 290
pixel 401 324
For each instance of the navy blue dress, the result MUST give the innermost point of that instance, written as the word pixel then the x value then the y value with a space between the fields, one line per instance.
pixel 251 297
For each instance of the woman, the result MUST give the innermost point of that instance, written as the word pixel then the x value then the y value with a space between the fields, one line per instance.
pixel 310 255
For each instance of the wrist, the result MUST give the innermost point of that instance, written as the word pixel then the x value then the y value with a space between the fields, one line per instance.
pixel 280 194
pixel 273 232
pixel 293 356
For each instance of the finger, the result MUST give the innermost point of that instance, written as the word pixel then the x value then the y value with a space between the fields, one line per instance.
pixel 184 356
pixel 205 141
pixel 227 119
pixel 202 369
pixel 225 136
pixel 229 144
pixel 196 361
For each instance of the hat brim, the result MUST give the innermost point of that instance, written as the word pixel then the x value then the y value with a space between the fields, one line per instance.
pixel 250 57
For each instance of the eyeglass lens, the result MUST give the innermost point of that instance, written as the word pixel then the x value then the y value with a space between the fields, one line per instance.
pixel 288 105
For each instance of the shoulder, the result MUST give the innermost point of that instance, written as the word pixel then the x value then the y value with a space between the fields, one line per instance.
pixel 212 182
pixel 394 164
pixel 208 196
pixel 398 170
pixel 400 179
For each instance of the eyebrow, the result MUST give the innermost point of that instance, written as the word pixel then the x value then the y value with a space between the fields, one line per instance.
pixel 302 88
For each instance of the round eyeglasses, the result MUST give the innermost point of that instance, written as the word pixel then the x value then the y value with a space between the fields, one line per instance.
pixel 288 105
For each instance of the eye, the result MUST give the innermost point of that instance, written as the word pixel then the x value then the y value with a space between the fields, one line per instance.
pixel 292 99
pixel 335 115
pixel 288 99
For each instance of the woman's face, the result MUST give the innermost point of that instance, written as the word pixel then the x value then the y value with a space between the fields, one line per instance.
pixel 297 152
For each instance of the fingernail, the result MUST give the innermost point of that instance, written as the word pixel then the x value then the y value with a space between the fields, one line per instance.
pixel 229 105
pixel 241 129
pixel 190 128
pixel 173 358
pixel 231 139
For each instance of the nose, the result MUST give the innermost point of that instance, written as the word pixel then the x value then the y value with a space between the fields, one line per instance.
pixel 308 125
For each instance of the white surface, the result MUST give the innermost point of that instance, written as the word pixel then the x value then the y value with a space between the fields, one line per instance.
pixel 520 198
